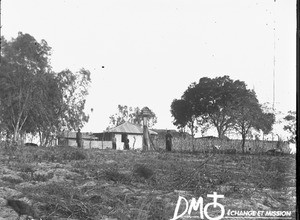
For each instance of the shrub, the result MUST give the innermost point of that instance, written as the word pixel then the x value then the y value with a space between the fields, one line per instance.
pixel 142 171
pixel 70 153
pixel 77 155
pixel 48 156
pixel 113 174
pixel 42 178
pixel 12 179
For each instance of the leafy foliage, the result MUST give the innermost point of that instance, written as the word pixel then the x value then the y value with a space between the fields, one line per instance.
pixel 290 119
pixel 182 112
pixel 184 115
pixel 222 103
pixel 24 61
pixel 33 98
pixel 74 88
pixel 219 97
pixel 130 114
pixel 249 115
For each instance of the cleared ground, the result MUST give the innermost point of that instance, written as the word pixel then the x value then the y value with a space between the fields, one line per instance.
pixel 63 182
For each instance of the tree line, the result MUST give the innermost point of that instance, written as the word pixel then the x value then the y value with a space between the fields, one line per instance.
pixel 220 103
pixel 224 104
pixel 35 99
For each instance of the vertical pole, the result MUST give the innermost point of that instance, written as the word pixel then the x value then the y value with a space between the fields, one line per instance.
pixel 274 59
pixel 90 142
pixel 103 138
pixel 146 138
pixel 297 95
pixel 0 35
pixel 274 56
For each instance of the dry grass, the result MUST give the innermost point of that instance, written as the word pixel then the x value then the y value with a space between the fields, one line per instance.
pixel 137 185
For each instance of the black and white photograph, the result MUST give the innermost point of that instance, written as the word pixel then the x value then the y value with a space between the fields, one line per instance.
pixel 148 109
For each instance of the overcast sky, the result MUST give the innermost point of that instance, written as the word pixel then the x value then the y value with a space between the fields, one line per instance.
pixel 153 50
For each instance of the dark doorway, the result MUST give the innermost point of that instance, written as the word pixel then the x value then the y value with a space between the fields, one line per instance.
pixel 124 137
pixel 125 140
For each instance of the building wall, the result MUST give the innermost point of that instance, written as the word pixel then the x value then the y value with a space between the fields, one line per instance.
pixel 87 144
pixel 135 142
pixel 120 144
pixel 181 144
pixel 97 144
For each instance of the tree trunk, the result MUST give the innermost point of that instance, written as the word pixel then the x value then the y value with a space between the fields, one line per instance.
pixel 41 138
pixel 146 138
pixel 44 138
pixel 192 131
pixel 16 135
pixel 18 128
pixel 221 133
pixel 243 142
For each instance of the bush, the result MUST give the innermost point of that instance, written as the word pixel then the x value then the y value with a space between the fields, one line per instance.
pixel 12 180
pixel 42 178
pixel 77 155
pixel 113 174
pixel 58 154
pixel 49 156
pixel 142 171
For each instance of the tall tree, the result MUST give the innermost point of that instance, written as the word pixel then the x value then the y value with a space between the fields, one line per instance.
pixel 33 98
pixel 249 115
pixel 220 98
pixel 74 88
pixel 266 122
pixel 214 100
pixel 45 118
pixel 130 114
pixel 222 103
pixel 184 116
pixel 23 59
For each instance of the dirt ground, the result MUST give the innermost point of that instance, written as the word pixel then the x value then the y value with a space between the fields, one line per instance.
pixel 68 183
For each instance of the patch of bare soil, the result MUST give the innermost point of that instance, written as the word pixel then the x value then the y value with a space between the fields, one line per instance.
pixel 68 183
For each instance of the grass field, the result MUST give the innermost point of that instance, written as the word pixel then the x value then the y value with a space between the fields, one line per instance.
pixel 68 183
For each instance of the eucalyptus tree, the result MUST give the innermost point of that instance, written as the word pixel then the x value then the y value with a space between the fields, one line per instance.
pixel 35 99
pixel 130 114
pixel 23 59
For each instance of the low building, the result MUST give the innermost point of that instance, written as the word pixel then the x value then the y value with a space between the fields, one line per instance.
pixel 68 138
pixel 133 132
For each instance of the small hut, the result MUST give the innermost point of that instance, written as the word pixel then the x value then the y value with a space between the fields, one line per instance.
pixel 133 132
